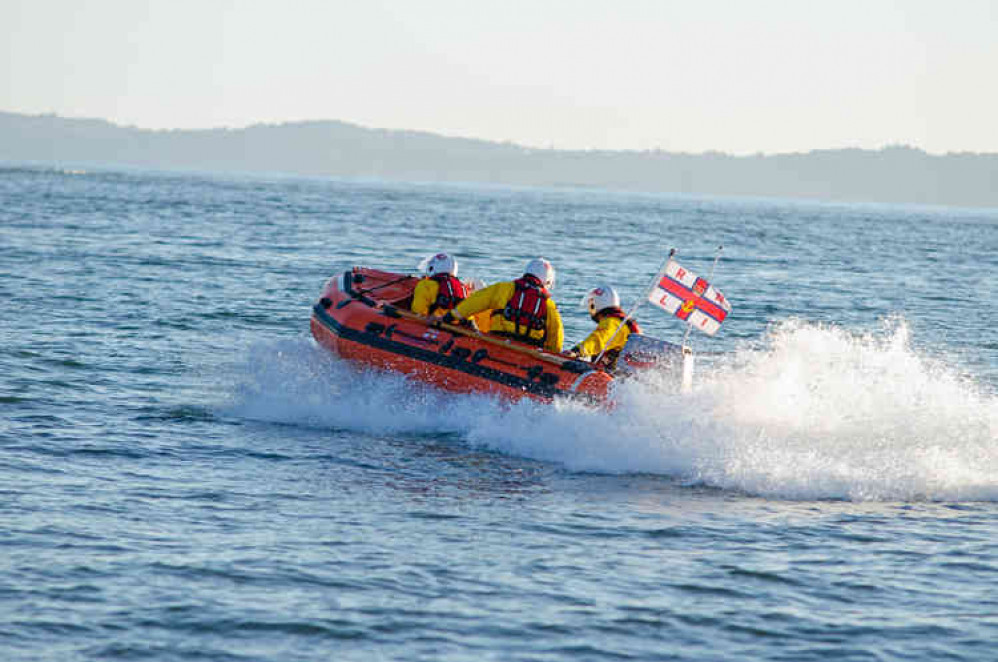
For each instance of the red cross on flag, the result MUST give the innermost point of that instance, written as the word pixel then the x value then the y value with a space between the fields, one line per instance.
pixel 690 298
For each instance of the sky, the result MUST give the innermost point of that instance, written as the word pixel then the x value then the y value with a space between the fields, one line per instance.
pixel 735 76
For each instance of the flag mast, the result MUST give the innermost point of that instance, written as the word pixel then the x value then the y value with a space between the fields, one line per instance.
pixel 710 278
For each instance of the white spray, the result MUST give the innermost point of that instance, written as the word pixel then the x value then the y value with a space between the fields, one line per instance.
pixel 816 412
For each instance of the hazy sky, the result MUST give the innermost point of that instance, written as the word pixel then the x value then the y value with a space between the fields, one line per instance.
pixel 689 75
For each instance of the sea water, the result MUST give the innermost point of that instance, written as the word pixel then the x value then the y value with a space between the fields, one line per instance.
pixel 184 474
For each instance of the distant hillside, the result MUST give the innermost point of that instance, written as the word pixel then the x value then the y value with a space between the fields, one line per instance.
pixel 893 174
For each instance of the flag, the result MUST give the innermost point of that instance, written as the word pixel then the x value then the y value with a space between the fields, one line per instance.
pixel 690 298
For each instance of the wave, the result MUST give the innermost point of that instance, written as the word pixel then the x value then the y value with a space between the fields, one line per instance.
pixel 295 382
pixel 810 412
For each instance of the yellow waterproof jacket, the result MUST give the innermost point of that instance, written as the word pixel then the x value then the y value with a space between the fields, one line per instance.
pixel 424 295
pixel 495 297
pixel 597 340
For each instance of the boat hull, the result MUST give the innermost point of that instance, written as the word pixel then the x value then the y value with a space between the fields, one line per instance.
pixel 363 317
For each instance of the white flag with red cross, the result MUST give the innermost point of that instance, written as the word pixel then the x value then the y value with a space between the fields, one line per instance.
pixel 690 298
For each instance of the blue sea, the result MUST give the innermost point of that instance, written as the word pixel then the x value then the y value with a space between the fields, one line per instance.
pixel 186 475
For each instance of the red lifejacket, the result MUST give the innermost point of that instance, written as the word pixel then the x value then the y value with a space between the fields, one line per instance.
pixel 619 314
pixel 449 293
pixel 528 308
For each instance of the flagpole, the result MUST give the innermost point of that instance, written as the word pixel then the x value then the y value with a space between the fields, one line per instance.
pixel 710 279
pixel 637 304
pixel 686 383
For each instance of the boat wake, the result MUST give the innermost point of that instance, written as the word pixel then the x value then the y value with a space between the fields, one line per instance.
pixel 812 412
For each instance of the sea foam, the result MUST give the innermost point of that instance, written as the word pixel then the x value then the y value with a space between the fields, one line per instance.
pixel 809 412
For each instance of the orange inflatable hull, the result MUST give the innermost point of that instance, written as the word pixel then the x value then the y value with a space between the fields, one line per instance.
pixel 363 316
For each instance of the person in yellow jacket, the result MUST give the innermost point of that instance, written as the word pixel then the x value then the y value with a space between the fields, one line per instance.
pixel 603 304
pixel 521 310
pixel 440 290
pixel 482 320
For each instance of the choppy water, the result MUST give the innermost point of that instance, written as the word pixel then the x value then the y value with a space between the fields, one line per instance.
pixel 184 475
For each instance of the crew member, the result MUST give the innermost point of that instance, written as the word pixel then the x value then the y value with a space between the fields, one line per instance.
pixel 479 321
pixel 603 305
pixel 522 310
pixel 440 291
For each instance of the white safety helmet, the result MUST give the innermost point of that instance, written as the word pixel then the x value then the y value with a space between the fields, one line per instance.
pixel 441 263
pixel 542 270
pixel 599 298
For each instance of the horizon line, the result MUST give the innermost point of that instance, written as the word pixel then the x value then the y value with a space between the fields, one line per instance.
pixel 510 143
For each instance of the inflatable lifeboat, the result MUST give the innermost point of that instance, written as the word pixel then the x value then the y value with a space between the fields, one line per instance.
pixel 363 315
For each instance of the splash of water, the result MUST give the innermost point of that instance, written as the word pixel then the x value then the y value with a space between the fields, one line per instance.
pixel 298 383
pixel 822 412
pixel 816 412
